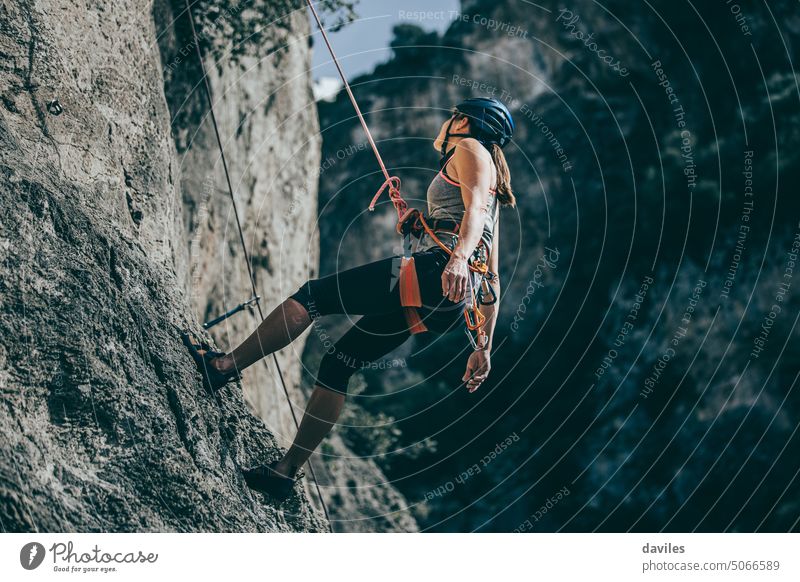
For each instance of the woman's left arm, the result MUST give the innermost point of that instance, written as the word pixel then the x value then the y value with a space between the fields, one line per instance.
pixel 479 363
pixel 473 166
pixel 490 311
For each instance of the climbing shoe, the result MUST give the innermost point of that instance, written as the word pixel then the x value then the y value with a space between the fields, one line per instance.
pixel 265 479
pixel 202 354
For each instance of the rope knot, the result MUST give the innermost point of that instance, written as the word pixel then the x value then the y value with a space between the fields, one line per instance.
pixel 393 183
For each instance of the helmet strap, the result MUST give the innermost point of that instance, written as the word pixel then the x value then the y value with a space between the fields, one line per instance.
pixel 443 149
pixel 447 135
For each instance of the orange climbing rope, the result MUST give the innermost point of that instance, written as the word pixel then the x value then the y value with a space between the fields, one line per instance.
pixel 391 182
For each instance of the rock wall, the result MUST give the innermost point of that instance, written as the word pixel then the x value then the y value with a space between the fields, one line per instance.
pixel 105 424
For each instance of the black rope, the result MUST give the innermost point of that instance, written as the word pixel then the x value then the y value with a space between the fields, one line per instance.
pixel 244 245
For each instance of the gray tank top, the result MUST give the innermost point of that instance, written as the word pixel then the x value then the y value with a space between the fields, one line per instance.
pixel 445 203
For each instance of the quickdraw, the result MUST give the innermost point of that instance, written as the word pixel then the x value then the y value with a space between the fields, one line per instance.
pixel 249 304
pixel 412 223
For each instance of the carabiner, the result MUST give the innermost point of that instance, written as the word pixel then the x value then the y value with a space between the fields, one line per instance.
pixel 485 288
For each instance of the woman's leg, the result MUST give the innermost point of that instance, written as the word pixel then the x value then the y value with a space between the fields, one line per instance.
pixel 363 290
pixel 279 329
pixel 322 412
pixel 370 338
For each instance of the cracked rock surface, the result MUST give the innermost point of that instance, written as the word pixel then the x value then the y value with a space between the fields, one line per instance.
pixel 105 424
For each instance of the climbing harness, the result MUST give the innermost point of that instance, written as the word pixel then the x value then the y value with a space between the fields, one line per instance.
pixel 415 225
pixel 241 307
pixel 411 223
pixel 241 240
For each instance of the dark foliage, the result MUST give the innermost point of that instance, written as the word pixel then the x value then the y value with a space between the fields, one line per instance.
pixel 689 427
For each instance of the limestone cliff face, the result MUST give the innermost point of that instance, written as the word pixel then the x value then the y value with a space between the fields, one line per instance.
pixel 116 231
pixel 105 424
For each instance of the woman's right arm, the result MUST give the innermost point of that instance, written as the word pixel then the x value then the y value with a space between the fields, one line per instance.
pixel 473 165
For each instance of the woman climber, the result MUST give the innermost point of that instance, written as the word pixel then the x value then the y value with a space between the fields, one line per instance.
pixel 463 215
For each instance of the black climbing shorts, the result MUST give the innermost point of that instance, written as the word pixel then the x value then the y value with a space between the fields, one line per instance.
pixel 372 291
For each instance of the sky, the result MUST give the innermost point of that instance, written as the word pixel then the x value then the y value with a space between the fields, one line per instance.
pixel 364 43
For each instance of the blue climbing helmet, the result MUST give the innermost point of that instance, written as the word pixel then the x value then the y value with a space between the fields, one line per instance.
pixel 489 119
pixel 490 122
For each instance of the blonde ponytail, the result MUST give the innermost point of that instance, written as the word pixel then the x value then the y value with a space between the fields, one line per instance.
pixel 503 186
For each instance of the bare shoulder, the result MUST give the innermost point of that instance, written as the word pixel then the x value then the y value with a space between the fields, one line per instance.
pixel 470 148
pixel 471 155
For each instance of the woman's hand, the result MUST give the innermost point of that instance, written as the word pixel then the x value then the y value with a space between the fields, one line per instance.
pixel 454 279
pixel 478 366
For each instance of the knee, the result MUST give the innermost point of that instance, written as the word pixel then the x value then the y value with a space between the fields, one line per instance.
pixel 335 370
pixel 305 297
